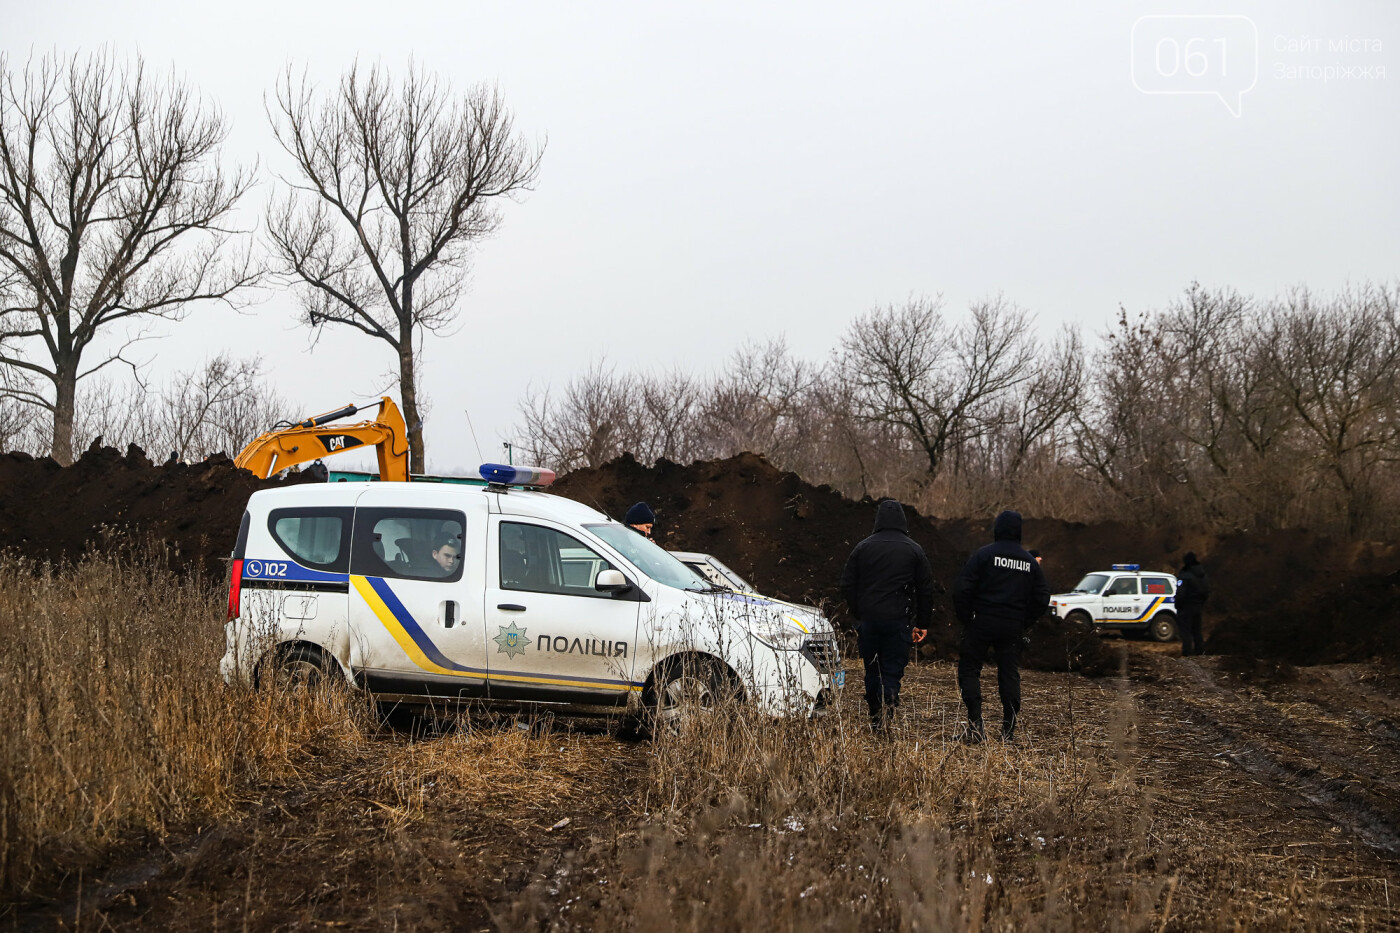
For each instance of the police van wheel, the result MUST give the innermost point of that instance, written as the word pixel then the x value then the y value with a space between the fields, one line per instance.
pixel 687 689
pixel 1163 627
pixel 298 668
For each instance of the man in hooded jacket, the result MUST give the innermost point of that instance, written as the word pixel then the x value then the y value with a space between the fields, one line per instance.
pixel 888 586
pixel 999 594
pixel 1190 600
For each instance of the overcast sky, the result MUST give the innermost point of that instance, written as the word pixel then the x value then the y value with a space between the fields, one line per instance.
pixel 721 171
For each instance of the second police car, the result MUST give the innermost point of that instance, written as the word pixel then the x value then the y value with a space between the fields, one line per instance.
pixel 500 592
pixel 1126 598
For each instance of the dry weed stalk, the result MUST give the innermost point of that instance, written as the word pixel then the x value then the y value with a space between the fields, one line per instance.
pixel 116 722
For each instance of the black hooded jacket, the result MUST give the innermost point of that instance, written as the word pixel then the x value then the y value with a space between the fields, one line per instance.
pixel 1194 586
pixel 887 575
pixel 1002 581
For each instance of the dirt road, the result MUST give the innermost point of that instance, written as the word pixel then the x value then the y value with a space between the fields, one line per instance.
pixel 1272 790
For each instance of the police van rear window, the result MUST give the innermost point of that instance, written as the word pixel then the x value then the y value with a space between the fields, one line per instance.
pixel 318 538
pixel 1156 586
pixel 409 544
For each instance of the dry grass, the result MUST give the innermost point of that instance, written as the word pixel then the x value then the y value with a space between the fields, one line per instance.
pixel 118 729
pixel 116 722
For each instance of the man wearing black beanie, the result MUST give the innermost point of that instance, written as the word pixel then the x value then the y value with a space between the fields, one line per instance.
pixel 641 518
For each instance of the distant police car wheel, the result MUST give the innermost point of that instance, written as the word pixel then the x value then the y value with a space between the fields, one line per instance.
pixel 687 689
pixel 1079 619
pixel 1163 627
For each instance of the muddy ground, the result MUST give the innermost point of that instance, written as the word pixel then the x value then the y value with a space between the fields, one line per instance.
pixel 1272 786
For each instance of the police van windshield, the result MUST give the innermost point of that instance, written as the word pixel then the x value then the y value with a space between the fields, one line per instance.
pixel 651 558
pixel 1091 584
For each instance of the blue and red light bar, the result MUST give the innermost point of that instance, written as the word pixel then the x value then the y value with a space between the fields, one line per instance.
pixel 501 474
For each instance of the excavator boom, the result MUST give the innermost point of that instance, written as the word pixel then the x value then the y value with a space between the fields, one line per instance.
pixel 317 437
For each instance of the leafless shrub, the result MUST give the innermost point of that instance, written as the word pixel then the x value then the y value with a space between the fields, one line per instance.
pixel 218 408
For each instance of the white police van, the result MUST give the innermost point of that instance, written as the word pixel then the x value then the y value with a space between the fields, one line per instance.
pixel 1126 598
pixel 431 592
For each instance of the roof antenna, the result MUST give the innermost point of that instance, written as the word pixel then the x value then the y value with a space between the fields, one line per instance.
pixel 479 457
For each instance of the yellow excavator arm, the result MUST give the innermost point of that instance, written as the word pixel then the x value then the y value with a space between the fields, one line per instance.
pixel 304 441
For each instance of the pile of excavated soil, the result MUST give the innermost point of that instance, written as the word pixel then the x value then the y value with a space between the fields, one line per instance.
pixel 790 540
pixel 54 513
pixel 1291 594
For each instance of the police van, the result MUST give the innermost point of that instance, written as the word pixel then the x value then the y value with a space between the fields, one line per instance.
pixel 1126 598
pixel 431 592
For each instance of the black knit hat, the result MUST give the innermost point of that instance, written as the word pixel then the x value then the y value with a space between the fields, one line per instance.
pixel 640 514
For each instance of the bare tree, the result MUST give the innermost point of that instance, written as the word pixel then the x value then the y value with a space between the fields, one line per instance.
pixel 754 402
pixel 1337 364
pixel 394 183
pixel 1049 399
pixel 587 424
pixel 217 408
pixel 943 386
pixel 113 206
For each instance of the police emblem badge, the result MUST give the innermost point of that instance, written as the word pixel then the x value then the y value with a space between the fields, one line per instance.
pixel 511 640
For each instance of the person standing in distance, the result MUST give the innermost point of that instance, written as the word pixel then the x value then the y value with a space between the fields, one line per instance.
pixel 887 576
pixel 1191 592
pixel 641 519
pixel 999 594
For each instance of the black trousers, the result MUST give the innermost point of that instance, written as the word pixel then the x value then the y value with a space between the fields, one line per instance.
pixel 884 647
pixel 1004 637
pixel 1188 619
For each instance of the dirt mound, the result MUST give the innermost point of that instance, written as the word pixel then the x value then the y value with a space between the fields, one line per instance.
pixel 790 539
pixel 49 512
pixel 1291 595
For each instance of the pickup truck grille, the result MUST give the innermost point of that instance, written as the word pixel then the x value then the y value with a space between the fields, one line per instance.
pixel 823 652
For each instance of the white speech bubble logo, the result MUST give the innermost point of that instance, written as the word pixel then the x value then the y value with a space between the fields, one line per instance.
pixel 1209 54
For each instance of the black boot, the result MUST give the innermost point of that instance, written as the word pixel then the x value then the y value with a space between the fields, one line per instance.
pixel 975 734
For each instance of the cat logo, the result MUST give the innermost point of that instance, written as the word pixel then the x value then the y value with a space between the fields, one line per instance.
pixel 335 443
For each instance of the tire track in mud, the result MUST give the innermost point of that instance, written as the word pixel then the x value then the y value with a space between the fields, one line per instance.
pixel 1265 744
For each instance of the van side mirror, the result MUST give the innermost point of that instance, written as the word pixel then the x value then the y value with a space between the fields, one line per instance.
pixel 611 581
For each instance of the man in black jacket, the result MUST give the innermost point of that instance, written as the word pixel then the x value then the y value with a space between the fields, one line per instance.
pixel 999 594
pixel 887 576
pixel 1190 600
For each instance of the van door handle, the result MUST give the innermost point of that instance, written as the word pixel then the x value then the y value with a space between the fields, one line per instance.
pixel 510 607
pixel 449 613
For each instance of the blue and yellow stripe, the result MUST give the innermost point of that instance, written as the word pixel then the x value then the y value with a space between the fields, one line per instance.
pixel 1156 604
pixel 405 630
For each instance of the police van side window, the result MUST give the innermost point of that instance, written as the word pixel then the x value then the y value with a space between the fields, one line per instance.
pixel 1123 586
pixel 1157 586
pixel 408 544
pixel 536 559
pixel 315 537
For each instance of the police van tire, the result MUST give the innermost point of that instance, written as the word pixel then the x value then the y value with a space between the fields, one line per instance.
pixel 296 667
pixel 686 687
pixel 1163 627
